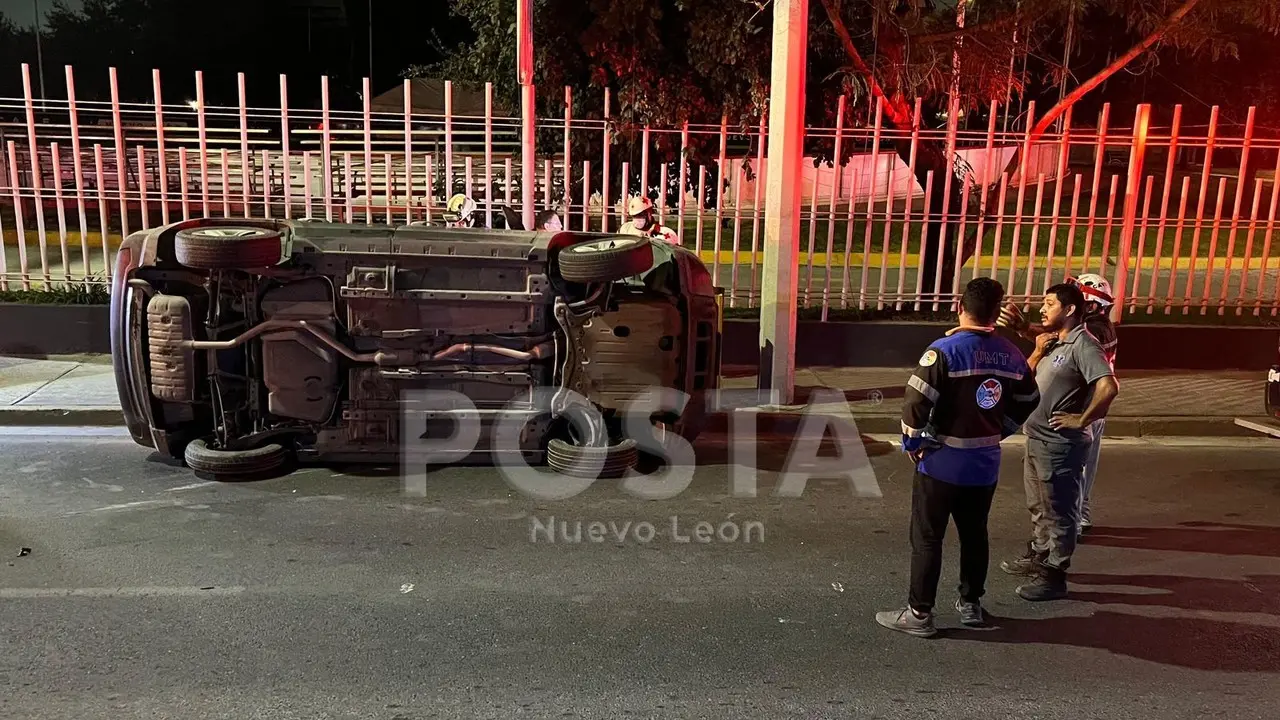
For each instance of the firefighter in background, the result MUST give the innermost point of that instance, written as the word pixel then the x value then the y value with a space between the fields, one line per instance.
pixel 642 221
pixel 460 212
pixel 1097 320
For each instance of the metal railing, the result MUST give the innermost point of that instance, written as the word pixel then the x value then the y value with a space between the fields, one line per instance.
pixel 1153 209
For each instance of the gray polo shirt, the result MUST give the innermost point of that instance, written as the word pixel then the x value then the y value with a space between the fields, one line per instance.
pixel 1065 377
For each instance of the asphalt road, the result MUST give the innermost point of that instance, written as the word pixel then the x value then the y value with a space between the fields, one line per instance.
pixel 149 592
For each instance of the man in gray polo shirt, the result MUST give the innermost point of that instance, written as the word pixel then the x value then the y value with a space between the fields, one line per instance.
pixel 1077 386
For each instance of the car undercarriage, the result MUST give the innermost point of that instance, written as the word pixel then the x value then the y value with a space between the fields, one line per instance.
pixel 241 345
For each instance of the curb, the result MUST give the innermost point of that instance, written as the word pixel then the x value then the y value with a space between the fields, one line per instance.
pixel 37 415
pixel 784 425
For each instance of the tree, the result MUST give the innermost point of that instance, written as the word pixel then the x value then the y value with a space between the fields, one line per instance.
pixel 16 44
pixel 671 61
pixel 906 69
pixel 664 62
pixel 261 38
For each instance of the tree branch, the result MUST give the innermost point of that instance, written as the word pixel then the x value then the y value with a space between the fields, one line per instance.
pixel 1141 47
pixel 1070 99
pixel 967 32
pixel 897 108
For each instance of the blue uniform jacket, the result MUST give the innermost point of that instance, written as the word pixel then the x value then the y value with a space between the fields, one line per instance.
pixel 970 390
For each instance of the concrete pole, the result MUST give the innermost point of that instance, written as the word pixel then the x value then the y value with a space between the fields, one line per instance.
pixel 782 201
pixel 528 111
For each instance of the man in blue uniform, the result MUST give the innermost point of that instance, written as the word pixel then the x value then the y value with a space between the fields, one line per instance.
pixel 972 389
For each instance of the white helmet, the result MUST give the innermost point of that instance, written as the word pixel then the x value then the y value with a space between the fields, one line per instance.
pixel 460 206
pixel 1095 289
pixel 638 205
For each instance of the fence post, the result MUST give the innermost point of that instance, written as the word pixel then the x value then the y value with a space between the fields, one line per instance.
pixel 1137 152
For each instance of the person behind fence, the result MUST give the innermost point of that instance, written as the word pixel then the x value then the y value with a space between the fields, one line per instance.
pixel 642 220
pixel 1077 386
pixel 460 212
pixel 1097 320
pixel 971 389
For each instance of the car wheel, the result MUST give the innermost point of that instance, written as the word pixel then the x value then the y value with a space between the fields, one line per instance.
pixel 203 459
pixel 580 460
pixel 217 248
pixel 608 260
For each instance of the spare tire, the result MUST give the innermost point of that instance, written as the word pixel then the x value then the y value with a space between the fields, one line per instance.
pixel 227 246
pixel 607 260
pixel 203 459
pixel 581 461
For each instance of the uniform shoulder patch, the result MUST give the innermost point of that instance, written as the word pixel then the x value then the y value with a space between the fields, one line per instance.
pixel 929 358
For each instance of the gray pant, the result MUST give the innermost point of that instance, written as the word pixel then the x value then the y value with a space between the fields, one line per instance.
pixel 1052 474
pixel 1091 468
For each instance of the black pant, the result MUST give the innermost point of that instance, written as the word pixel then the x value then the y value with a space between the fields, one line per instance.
pixel 933 504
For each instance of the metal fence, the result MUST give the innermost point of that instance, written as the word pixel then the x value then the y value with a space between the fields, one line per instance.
pixel 1174 217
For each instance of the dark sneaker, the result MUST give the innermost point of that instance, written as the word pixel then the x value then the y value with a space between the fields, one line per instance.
pixel 971 614
pixel 906 621
pixel 1029 564
pixel 1050 584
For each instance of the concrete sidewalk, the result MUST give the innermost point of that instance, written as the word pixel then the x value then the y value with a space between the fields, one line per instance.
pixel 1151 403
pixel 65 390
pixel 80 390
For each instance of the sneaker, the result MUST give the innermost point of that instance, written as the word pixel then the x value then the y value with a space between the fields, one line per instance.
pixel 1028 565
pixel 971 614
pixel 906 621
pixel 1050 584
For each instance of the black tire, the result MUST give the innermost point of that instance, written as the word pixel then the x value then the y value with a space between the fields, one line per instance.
pixel 608 260
pixel 203 459
pixel 580 461
pixel 225 247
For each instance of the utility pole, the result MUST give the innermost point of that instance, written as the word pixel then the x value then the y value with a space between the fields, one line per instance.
pixel 1013 61
pixel 371 45
pixel 35 4
pixel 782 202
pixel 528 119
pixel 1066 59
pixel 953 107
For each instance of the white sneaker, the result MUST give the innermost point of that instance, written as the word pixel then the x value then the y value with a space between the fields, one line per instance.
pixel 906 621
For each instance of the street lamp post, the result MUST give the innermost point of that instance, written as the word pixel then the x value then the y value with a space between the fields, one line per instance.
pixel 782 201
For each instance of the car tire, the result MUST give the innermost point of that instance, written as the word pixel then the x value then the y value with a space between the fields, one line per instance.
pixel 226 247
pixel 580 461
pixel 203 459
pixel 606 260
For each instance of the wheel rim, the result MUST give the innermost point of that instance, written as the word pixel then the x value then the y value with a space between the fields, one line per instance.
pixel 599 246
pixel 232 232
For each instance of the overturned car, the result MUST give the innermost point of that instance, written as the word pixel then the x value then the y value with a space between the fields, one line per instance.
pixel 239 345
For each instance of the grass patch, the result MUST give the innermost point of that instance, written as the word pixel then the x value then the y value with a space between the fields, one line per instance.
pixel 93 294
